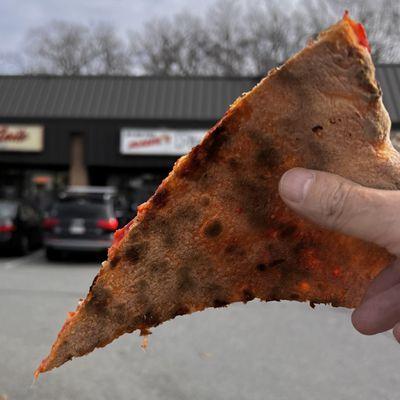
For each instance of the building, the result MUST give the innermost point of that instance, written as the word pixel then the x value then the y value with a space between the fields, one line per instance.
pixel 103 130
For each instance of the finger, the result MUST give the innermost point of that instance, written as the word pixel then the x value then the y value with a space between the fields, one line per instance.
pixel 379 313
pixel 339 204
pixel 387 278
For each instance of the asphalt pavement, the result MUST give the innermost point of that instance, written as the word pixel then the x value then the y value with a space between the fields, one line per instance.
pixel 275 351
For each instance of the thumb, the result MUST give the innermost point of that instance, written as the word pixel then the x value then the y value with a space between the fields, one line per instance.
pixel 339 204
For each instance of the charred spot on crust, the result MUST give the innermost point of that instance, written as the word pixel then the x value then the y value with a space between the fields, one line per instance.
pixel 99 298
pixel 160 197
pixel 317 129
pixel 180 310
pixel 133 252
pixel 233 164
pixel 261 267
pixel 231 248
pixel 93 283
pixel 213 229
pixel 335 302
pixel 184 279
pixel 266 156
pixel 218 137
pixel 304 245
pixel 366 83
pixel 312 304
pixel 274 263
pixel 151 318
pixel 204 200
pixel 114 261
pixel 288 231
pixel 247 295
pixel 275 294
pixel 164 227
pixel 207 151
pixel 191 164
pixel 220 303
pixel 253 202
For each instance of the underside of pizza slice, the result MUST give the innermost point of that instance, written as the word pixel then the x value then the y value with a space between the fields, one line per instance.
pixel 216 231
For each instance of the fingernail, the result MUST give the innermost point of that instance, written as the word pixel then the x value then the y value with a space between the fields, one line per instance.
pixel 295 184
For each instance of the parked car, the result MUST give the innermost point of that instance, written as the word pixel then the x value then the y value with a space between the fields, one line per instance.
pixel 83 219
pixel 20 227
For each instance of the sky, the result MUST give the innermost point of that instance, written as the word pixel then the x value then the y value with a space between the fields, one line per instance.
pixel 17 16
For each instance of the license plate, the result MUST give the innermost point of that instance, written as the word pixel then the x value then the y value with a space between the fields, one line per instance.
pixel 77 228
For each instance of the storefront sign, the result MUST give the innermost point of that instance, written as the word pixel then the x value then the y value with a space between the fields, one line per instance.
pixel 21 138
pixel 168 142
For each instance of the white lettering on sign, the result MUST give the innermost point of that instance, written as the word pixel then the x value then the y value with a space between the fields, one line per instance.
pixel 21 138
pixel 169 142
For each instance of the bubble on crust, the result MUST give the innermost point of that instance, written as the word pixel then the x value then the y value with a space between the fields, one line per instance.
pixel 213 229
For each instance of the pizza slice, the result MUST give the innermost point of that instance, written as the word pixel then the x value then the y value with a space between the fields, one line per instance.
pixel 216 230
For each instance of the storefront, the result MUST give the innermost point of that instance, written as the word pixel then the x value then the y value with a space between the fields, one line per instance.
pixel 121 131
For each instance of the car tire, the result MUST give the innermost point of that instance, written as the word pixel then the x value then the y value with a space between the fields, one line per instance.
pixel 52 254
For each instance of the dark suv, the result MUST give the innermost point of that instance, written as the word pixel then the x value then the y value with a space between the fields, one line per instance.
pixel 82 220
pixel 20 227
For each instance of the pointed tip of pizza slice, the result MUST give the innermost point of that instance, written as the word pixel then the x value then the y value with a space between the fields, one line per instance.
pixel 216 232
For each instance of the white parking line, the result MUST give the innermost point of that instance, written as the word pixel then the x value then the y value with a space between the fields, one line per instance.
pixel 16 262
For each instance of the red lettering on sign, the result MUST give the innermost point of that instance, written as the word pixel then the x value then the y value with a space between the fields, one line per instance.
pixel 148 142
pixel 8 136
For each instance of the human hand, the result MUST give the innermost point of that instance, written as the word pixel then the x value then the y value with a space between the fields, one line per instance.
pixel 370 214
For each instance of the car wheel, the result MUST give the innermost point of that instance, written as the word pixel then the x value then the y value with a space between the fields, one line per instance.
pixel 22 247
pixel 52 254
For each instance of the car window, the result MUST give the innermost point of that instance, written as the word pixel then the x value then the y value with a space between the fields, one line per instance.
pixel 81 208
pixel 8 209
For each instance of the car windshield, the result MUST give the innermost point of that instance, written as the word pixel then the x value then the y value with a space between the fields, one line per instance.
pixel 8 209
pixel 81 208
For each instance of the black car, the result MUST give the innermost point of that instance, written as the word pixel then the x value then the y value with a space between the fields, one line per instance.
pixel 81 221
pixel 20 227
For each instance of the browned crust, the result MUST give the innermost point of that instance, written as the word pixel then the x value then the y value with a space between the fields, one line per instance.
pixel 216 232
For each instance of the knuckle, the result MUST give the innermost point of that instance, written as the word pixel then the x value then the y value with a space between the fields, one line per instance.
pixel 336 204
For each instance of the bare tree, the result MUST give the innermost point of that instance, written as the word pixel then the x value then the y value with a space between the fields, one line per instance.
pixel 380 18
pixel 226 42
pixel 269 41
pixel 232 38
pixel 73 49
pixel 237 38
pixel 170 46
pixel 111 55
pixel 60 48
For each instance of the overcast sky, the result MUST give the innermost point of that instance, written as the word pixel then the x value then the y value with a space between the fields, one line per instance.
pixel 17 16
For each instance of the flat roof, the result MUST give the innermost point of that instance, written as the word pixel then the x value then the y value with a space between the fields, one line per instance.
pixel 200 98
pixel 119 97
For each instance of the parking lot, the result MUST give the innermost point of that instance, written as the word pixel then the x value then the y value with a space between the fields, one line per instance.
pixel 254 351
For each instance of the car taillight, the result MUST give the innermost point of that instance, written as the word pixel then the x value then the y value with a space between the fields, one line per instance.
pixel 50 223
pixel 110 224
pixel 7 227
